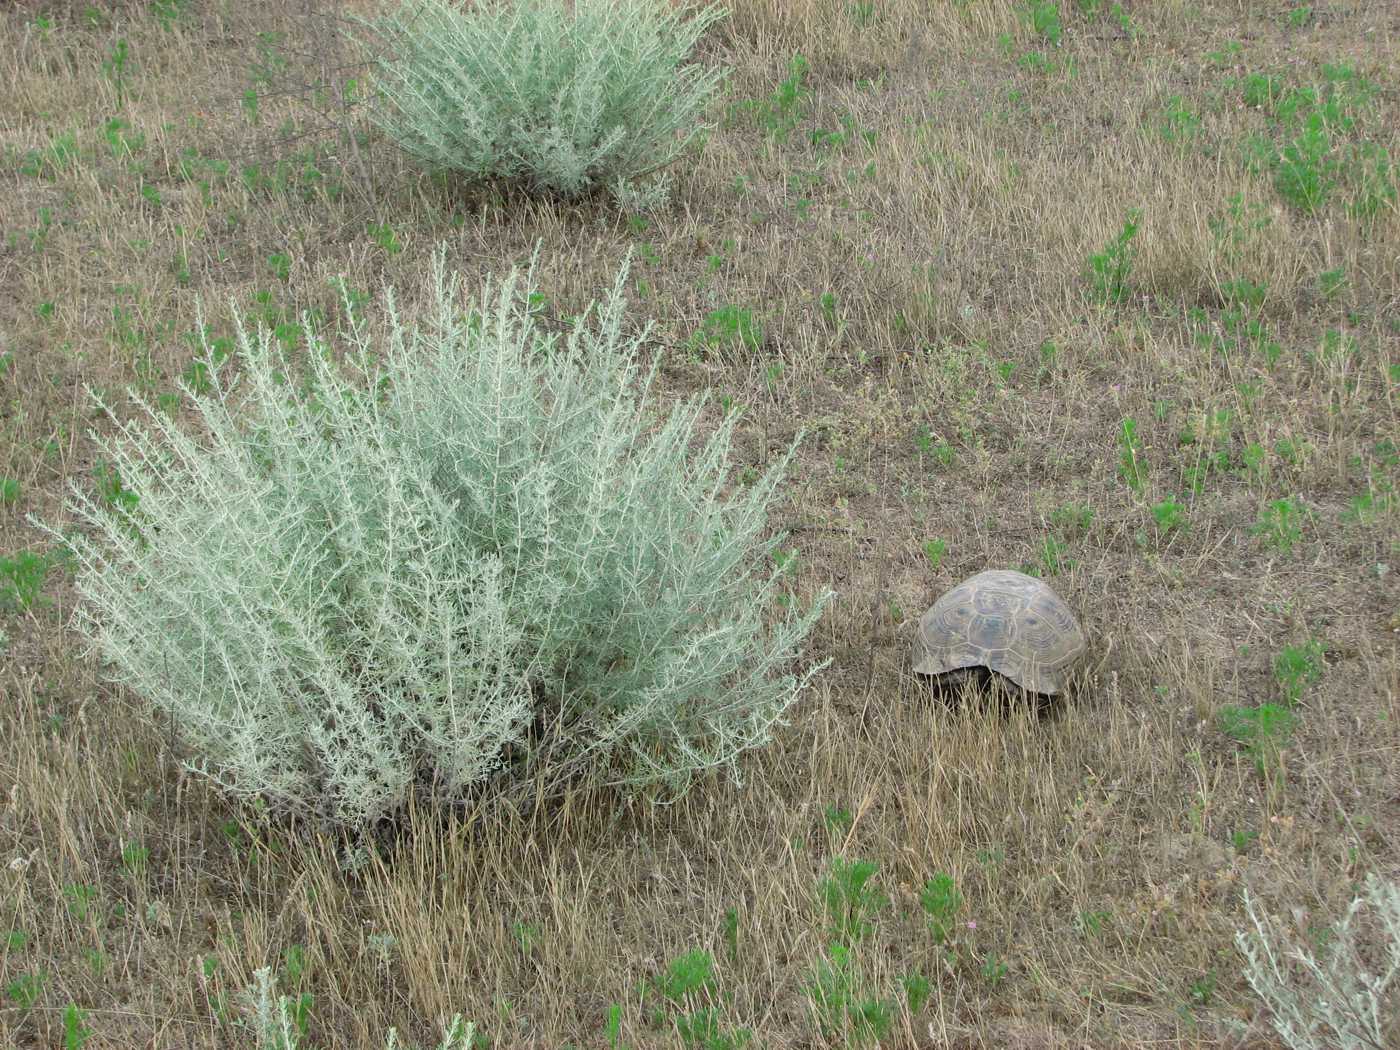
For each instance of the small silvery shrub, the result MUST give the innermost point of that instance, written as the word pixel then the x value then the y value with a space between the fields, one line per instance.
pixel 472 563
pixel 569 101
pixel 275 1027
pixel 1340 1002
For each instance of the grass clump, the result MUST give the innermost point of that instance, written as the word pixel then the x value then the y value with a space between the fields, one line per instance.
pixel 474 564
pixel 568 101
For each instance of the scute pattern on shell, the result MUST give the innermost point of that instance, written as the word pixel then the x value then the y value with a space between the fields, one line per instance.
pixel 1006 621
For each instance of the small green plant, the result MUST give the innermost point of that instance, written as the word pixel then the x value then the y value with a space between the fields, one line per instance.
pixel 1297 667
pixel 916 990
pixel 169 12
pixel 934 551
pixel 687 975
pixel 1132 459
pixel 1179 124
pixel 1052 557
pixel 1203 989
pixel 22 577
pixel 9 490
pixel 728 326
pixel 1263 730
pixel 1092 923
pixel 75 1033
pixel 1109 269
pixel 837 819
pixel 25 989
pixel 941 902
pixel 114 65
pixel 1280 524
pixel 1044 18
pixel 280 264
pixel 1072 518
pixel 780 113
pixel 1366 507
pixel 1169 515
pixel 1331 282
pixel 383 235
pixel 731 933
pixel 612 1028
pixel 134 858
pixel 850 900
pixel 994 971
pixel 838 1001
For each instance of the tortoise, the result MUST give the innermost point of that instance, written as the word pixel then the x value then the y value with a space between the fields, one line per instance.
pixel 1005 621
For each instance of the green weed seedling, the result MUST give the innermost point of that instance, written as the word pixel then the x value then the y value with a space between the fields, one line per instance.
pixel 9 491
pixel 383 235
pixel 1280 524
pixel 728 326
pixel 941 902
pixel 1169 515
pixel 780 114
pixel 917 988
pixel 1109 269
pixel 169 12
pixel 1092 923
pixel 687 977
pixel 75 1033
pixel 24 990
pixel 1132 459
pixel 1297 667
pixel 731 933
pixel 1366 508
pixel 838 1001
pixel 115 66
pixel 850 900
pixel 1179 124
pixel 1073 519
pixel 1052 557
pixel 22 577
pixel 994 971
pixel 1330 283
pixel 1242 840
pixel 1044 18
pixel 1263 730
pixel 612 1027
pixel 837 820
pixel 134 859
pixel 934 551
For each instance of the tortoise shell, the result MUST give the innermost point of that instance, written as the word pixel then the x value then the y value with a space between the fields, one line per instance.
pixel 1005 621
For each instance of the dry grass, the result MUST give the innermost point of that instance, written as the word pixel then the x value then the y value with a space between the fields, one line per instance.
pixel 1101 851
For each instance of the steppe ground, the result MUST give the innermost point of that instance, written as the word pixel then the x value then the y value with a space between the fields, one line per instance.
pixel 893 248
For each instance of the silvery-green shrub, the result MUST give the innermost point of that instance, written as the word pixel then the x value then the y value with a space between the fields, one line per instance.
pixel 473 561
pixel 568 101
pixel 1342 1001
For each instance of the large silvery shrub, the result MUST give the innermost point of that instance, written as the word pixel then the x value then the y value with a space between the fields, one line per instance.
pixel 470 562
pixel 569 98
